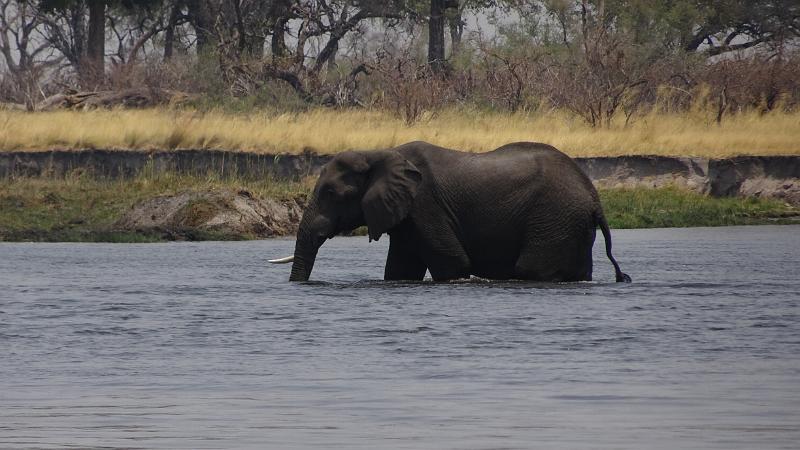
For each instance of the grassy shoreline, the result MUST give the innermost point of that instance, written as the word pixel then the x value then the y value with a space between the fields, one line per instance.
pixel 694 133
pixel 83 209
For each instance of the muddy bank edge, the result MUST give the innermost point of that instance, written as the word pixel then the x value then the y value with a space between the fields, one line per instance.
pixel 748 176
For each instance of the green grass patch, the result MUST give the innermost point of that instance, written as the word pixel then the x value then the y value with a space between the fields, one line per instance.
pixel 84 209
pixel 674 207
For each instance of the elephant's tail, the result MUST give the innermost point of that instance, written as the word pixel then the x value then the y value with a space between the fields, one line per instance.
pixel 601 220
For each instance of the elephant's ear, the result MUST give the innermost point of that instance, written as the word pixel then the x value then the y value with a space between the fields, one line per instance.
pixel 391 189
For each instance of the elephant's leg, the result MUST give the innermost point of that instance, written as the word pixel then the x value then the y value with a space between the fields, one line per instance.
pixel 579 262
pixel 453 269
pixel 433 239
pixel 566 257
pixel 535 264
pixel 446 258
pixel 587 266
pixel 403 263
pixel 411 253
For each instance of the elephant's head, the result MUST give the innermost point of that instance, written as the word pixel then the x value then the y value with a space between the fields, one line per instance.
pixel 375 189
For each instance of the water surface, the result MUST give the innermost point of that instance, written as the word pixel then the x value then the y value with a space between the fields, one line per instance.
pixel 205 346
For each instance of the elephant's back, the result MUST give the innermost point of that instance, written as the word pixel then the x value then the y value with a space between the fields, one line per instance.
pixel 532 156
pixel 525 178
pixel 538 167
pixel 534 178
pixel 520 176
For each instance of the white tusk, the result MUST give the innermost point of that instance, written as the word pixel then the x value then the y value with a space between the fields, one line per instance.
pixel 285 260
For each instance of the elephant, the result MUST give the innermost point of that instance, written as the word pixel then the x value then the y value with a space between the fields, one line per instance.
pixel 522 211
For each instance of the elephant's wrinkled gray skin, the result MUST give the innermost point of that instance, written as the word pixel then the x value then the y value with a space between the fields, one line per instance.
pixel 523 211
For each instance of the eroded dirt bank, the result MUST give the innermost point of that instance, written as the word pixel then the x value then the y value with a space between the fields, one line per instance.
pixel 744 176
pixel 45 197
pixel 220 213
pixel 749 176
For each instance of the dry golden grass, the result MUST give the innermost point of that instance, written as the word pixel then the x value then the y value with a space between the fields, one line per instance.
pixel 331 131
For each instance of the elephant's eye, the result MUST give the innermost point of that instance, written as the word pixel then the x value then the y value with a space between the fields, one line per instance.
pixel 348 191
pixel 337 192
pixel 330 193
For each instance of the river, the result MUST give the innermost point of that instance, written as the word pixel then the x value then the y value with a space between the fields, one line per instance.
pixel 206 346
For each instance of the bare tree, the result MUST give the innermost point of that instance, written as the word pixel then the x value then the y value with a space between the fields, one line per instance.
pixel 319 27
pixel 596 81
pixel 77 29
pixel 136 25
pixel 27 55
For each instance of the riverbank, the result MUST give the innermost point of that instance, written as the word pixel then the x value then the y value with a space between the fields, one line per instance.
pixel 79 208
pixel 178 207
pixel 744 176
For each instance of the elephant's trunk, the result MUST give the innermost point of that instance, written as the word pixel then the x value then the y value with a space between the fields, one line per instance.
pixel 313 231
pixel 301 268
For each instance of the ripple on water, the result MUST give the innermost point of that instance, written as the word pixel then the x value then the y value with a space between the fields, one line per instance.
pixel 197 345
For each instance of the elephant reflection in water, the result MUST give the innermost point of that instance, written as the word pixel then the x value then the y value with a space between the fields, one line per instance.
pixel 523 211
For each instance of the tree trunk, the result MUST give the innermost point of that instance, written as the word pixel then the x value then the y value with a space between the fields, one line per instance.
pixel 279 49
pixel 169 34
pixel 77 18
pixel 456 30
pixel 203 23
pixel 96 41
pixel 279 12
pixel 255 46
pixel 436 35
pixel 328 53
pixel 332 65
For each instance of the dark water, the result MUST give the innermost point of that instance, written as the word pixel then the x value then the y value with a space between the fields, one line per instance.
pixel 202 345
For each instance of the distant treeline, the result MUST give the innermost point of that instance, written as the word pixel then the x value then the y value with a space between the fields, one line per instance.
pixel 600 59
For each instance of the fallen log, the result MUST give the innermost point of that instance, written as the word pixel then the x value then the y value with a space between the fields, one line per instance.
pixel 126 98
pixel 12 106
